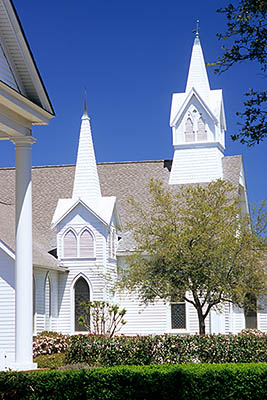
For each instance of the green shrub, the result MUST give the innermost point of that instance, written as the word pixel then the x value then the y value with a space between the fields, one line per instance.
pixel 173 349
pixel 51 361
pixel 180 382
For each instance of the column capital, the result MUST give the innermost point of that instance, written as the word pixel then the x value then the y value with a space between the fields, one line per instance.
pixel 23 141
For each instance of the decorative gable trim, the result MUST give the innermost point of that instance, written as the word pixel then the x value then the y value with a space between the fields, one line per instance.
pixel 73 206
pixel 192 93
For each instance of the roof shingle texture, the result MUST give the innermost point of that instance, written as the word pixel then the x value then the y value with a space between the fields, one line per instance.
pixel 51 183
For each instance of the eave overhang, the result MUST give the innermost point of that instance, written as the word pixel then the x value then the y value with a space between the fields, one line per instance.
pixel 23 63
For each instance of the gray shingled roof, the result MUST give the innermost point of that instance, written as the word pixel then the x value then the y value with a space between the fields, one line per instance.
pixel 50 183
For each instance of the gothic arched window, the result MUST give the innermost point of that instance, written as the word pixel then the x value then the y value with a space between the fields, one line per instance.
pixel 70 245
pixel 189 132
pixel 86 244
pixel 201 132
pixel 81 294
pixel 47 303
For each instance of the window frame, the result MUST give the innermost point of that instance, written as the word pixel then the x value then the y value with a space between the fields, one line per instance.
pixel 169 319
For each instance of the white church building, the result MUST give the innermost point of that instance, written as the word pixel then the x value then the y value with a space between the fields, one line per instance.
pixel 79 211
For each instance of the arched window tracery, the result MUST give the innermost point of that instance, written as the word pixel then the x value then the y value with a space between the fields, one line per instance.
pixel 70 244
pixel 189 130
pixel 201 131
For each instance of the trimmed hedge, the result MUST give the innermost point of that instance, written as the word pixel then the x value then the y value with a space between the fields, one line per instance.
pixel 146 350
pixel 180 382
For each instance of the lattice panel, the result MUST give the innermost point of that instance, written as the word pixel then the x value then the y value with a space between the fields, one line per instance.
pixel 178 316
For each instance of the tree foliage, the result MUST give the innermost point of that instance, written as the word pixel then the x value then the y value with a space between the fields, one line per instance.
pixel 247 33
pixel 193 245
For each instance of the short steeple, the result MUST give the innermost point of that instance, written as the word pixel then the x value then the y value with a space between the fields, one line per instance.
pixel 197 74
pixel 86 181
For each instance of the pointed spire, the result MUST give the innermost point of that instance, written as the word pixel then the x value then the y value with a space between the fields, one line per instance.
pixel 197 75
pixel 86 181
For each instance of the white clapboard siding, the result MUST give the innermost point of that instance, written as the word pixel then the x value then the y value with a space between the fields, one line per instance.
pixel 192 319
pixel 262 315
pixel 227 316
pixel 238 319
pixel 142 320
pixel 7 305
pixel 194 165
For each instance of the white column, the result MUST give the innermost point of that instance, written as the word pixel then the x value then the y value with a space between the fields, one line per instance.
pixel 23 268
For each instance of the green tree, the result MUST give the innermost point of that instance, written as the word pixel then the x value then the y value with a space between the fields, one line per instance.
pixel 247 34
pixel 191 244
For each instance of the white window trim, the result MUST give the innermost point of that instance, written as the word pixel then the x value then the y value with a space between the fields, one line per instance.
pixel 169 320
pixel 72 302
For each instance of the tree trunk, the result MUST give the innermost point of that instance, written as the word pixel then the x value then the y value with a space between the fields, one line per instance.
pixel 201 322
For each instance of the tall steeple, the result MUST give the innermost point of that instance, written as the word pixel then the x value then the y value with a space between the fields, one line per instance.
pixel 198 125
pixel 86 182
pixel 197 74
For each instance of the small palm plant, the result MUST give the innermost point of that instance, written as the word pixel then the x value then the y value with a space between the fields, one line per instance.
pixel 102 318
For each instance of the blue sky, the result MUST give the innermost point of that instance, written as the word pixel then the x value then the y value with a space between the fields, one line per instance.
pixel 131 56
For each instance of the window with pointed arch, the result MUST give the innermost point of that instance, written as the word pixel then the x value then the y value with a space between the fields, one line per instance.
pixel 87 248
pixel 81 294
pixel 201 131
pixel 48 305
pixel 189 130
pixel 70 244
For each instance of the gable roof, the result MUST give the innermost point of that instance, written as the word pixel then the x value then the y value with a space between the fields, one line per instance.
pixel 102 208
pixel 50 183
pixel 184 100
pixel 21 73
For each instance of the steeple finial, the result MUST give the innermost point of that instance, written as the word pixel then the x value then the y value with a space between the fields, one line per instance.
pixel 85 105
pixel 85 114
pixel 197 30
pixel 197 74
